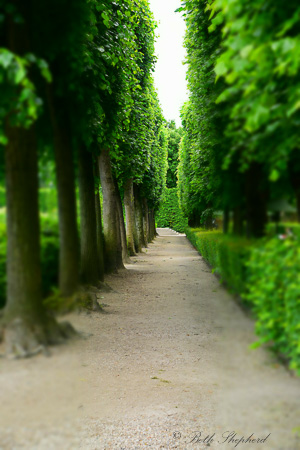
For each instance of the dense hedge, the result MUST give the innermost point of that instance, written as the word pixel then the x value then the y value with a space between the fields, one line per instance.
pixel 49 254
pixel 273 288
pixel 169 214
pixel 283 228
pixel 266 274
pixel 2 197
pixel 226 254
pixel 48 199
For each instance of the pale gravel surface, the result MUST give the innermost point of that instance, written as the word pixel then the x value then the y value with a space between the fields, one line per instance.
pixel 170 355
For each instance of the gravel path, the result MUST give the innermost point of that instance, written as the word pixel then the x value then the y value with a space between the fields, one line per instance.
pixel 167 365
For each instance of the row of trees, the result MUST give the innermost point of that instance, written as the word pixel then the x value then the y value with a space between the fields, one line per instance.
pixel 76 88
pixel 240 147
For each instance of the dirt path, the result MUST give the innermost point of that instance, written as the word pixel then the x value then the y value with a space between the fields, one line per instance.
pixel 169 359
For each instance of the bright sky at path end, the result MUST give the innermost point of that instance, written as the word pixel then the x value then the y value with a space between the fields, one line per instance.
pixel 170 73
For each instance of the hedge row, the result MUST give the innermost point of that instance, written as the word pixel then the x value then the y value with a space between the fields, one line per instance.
pixel 266 274
pixel 169 214
pixel 226 254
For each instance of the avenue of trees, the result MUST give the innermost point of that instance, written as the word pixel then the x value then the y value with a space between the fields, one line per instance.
pixel 240 155
pixel 240 148
pixel 77 94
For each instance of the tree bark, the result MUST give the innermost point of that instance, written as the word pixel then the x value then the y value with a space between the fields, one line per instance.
pixel 256 201
pixel 294 173
pixel 145 220
pixel 99 228
pixel 298 204
pixel 68 232
pixel 125 256
pixel 226 220
pixel 194 220
pixel 28 329
pixel 24 294
pixel 238 221
pixel 111 227
pixel 150 237
pixel 130 216
pixel 89 269
pixel 139 217
pixel 153 232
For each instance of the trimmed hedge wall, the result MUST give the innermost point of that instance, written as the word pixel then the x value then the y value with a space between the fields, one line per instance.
pixel 226 254
pixel 273 289
pixel 169 214
pixel 266 274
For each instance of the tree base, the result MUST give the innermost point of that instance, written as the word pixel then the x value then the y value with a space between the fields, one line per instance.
pixel 88 298
pixel 23 339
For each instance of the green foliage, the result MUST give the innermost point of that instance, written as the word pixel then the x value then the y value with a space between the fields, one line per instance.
pixel 169 213
pixel 233 254
pixel 274 291
pixel 203 143
pixel 2 197
pixel 226 254
pixel 175 135
pixel 206 243
pixel 99 56
pixel 19 98
pixel 262 77
pixel 266 274
pixel 283 229
pixel 242 118
pixel 48 200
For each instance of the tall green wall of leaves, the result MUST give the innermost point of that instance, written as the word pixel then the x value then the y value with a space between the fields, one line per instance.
pixel 170 214
pixel 266 275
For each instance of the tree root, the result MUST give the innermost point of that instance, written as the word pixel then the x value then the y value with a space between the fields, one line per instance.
pixel 87 299
pixel 24 339
pixel 104 287
pixel 84 299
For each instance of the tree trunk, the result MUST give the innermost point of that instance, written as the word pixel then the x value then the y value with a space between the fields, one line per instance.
pixel 237 221
pixel 256 201
pixel 298 204
pixel 226 220
pixel 68 232
pixel 99 228
pixel 150 237
pixel 145 220
pixel 111 227
pixel 137 242
pixel 125 256
pixel 89 255
pixel 139 217
pixel 24 297
pixel 194 220
pixel 28 328
pixel 294 172
pixel 130 216
pixel 153 232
